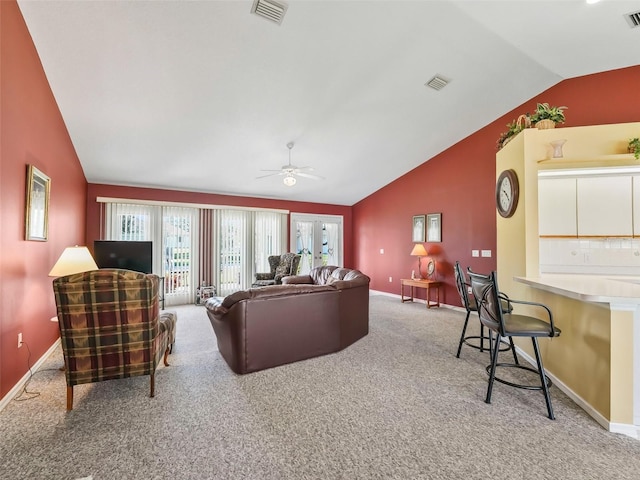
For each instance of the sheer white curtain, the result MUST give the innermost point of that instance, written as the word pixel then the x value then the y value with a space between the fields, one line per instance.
pixel 174 232
pixel 180 254
pixel 232 251
pixel 242 241
pixel 332 237
pixel 232 245
pixel 127 221
pixel 304 245
pixel 270 238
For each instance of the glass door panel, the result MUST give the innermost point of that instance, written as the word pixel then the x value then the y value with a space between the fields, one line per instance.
pixel 318 239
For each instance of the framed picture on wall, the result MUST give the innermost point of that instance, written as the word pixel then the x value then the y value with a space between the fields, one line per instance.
pixel 37 205
pixel 434 227
pixel 418 228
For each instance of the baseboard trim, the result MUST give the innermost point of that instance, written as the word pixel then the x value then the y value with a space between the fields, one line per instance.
pixel 415 300
pixel 626 429
pixel 20 385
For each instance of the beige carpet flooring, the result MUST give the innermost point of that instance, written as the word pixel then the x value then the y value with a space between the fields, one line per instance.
pixel 395 405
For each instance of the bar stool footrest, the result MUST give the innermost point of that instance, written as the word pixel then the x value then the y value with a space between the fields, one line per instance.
pixel 519 385
pixel 505 345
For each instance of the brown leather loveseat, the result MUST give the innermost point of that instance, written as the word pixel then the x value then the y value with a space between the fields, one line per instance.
pixel 307 316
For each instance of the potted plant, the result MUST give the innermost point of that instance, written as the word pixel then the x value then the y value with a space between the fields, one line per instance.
pixel 634 147
pixel 513 128
pixel 546 116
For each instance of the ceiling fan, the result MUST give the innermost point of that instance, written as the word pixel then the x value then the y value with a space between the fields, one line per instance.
pixel 291 171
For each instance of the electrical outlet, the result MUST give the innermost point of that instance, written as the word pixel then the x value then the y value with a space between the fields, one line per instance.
pixel 390 279
pixel 19 339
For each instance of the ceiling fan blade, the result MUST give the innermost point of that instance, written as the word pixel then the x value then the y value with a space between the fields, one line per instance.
pixel 290 170
pixel 309 175
pixel 277 172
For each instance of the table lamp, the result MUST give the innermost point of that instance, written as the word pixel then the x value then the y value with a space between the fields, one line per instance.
pixel 73 260
pixel 419 251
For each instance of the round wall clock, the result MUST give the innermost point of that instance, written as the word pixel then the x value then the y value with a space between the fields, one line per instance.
pixel 507 190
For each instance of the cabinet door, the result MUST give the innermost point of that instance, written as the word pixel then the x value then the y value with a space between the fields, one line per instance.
pixel 605 206
pixel 557 207
pixel 636 205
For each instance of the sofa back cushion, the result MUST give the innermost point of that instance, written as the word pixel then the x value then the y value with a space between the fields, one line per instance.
pixel 272 291
pixel 338 277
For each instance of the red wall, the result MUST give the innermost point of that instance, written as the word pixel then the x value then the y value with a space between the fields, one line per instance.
pixel 96 190
pixel 460 183
pixel 32 132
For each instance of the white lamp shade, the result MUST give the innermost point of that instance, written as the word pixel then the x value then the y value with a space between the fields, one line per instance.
pixel 73 260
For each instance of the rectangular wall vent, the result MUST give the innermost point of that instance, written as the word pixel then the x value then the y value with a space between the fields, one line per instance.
pixel 437 83
pixel 633 19
pixel 270 10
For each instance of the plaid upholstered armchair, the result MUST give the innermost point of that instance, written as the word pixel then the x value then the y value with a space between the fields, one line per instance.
pixel 111 326
pixel 280 266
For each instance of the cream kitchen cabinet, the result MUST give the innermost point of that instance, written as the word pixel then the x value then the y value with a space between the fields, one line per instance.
pixel 636 205
pixel 589 206
pixel 557 209
pixel 605 206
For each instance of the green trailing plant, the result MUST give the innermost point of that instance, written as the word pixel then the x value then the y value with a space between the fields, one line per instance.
pixel 634 147
pixel 513 129
pixel 546 112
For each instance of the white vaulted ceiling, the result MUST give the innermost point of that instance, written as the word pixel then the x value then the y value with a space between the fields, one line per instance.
pixel 202 95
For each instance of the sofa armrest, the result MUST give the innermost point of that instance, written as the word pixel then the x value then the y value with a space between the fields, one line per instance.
pixel 264 276
pixel 220 306
pixel 297 279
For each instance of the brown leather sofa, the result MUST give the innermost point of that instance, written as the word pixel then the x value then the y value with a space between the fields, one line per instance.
pixel 305 317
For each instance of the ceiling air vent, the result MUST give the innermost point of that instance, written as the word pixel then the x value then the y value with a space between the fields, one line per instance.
pixel 437 83
pixel 633 19
pixel 270 10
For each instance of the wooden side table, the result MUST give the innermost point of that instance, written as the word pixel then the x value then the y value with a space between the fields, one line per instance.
pixel 417 283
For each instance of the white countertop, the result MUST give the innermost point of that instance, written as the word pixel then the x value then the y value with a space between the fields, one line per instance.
pixel 589 288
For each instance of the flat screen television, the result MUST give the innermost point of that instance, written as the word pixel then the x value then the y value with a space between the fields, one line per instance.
pixel 130 255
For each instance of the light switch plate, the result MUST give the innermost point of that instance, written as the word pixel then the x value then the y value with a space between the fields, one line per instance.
pixel 486 253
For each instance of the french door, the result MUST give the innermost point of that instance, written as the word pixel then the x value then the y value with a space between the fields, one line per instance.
pixel 318 238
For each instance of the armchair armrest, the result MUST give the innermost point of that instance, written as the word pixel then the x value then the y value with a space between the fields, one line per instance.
pixel 264 276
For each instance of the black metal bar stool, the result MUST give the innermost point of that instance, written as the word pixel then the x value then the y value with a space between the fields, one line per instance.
pixel 469 303
pixel 489 300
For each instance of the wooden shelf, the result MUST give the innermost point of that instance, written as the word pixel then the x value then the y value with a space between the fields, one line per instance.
pixel 620 159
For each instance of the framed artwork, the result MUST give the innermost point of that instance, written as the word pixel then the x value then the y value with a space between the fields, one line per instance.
pixel 418 228
pixel 434 227
pixel 37 205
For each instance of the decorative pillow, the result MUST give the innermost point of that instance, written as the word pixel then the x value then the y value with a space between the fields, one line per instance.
pixel 282 270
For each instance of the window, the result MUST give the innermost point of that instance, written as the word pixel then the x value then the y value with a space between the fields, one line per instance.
pixel 173 231
pixel 194 246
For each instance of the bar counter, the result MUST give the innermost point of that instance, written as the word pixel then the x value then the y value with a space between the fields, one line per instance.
pixel 596 359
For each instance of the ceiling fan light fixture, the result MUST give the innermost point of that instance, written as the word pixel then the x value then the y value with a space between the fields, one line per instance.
pixel 289 180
